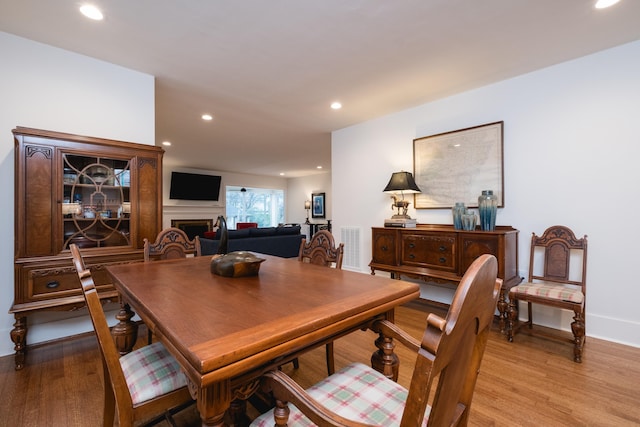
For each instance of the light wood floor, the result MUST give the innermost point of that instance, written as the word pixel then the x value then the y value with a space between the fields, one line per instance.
pixel 531 382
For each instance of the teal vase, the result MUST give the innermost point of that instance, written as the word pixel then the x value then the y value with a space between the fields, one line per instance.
pixel 488 209
pixel 457 212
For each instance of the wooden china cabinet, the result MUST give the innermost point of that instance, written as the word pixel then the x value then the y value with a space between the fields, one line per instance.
pixel 103 195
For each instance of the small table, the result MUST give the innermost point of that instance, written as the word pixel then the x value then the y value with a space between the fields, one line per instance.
pixel 226 332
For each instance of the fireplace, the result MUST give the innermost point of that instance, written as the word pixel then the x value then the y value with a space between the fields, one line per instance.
pixel 193 227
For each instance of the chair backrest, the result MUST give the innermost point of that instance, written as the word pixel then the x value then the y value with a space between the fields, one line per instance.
pixel 171 243
pixel 108 350
pixel 452 349
pixel 321 250
pixel 559 247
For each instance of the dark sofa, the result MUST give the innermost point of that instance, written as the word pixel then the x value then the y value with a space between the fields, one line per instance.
pixel 283 241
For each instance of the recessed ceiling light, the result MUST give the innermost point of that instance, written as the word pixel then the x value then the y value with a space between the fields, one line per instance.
pixel 91 12
pixel 602 4
pixel 336 105
pixel 207 117
pixel 318 167
pixel 281 173
pixel 166 143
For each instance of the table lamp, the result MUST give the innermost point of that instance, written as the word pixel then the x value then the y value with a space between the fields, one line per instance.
pixel 307 206
pixel 401 183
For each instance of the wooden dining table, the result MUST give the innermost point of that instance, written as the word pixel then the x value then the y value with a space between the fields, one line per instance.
pixel 227 331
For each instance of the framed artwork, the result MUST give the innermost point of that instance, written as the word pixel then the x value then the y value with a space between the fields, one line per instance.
pixel 456 166
pixel 317 205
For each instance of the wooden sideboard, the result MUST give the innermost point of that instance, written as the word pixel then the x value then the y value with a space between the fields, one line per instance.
pixel 103 195
pixel 442 254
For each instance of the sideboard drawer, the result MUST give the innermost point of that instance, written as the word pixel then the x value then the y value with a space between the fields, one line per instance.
pixel 429 250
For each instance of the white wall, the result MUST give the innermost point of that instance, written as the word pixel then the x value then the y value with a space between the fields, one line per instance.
pixel 299 191
pixel 48 88
pixel 571 150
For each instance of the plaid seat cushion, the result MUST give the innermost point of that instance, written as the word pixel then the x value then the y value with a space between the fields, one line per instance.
pixel 356 392
pixel 151 372
pixel 554 291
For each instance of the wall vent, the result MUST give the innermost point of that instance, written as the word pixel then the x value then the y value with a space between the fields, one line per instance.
pixel 350 236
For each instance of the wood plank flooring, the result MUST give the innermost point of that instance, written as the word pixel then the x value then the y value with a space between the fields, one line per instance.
pixel 531 382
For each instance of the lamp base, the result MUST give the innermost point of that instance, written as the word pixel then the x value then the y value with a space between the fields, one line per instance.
pixel 401 216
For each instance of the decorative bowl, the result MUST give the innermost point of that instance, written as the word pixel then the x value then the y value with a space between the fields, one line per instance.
pixel 236 264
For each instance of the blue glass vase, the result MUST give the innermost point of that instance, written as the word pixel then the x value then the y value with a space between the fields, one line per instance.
pixel 457 212
pixel 488 209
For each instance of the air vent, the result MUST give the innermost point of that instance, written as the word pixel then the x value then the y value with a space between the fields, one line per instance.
pixel 350 236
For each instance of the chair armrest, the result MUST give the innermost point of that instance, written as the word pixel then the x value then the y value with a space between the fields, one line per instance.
pixel 392 330
pixel 286 390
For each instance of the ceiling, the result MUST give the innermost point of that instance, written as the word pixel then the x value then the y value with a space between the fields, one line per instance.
pixel 269 70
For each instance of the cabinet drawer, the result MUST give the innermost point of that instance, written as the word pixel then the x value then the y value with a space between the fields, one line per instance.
pixel 60 282
pixel 429 250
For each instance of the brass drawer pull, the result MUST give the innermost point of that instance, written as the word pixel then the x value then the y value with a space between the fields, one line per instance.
pixel 443 248
pixel 52 285
pixel 443 260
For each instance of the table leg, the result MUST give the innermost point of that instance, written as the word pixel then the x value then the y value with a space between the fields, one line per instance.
pixel 213 401
pixel 502 309
pixel 125 332
pixel 384 360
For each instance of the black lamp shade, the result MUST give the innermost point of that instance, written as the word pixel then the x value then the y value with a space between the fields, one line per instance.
pixel 402 182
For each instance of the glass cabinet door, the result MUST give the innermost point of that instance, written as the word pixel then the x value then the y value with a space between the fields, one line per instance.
pixel 96 201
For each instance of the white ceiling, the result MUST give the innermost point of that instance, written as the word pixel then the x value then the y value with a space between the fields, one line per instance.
pixel 269 69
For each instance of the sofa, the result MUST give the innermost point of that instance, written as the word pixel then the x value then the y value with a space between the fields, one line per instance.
pixel 282 241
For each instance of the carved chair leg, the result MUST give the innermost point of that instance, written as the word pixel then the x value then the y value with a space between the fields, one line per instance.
pixel 512 318
pixel 502 309
pixel 578 329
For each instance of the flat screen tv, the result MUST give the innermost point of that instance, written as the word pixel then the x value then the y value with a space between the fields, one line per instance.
pixel 193 186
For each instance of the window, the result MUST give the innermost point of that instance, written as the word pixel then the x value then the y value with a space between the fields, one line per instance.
pixel 261 205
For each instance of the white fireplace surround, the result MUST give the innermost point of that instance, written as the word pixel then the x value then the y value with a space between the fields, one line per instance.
pixel 173 212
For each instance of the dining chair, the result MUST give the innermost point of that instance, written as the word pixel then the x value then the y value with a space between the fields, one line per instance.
pixel 448 357
pixel 143 385
pixel 171 243
pixel 322 250
pixel 557 278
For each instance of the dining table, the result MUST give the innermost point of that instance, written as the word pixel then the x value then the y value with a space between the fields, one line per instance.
pixel 225 332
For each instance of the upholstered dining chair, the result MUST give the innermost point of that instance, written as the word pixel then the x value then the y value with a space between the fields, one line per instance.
pixel 321 250
pixel 171 243
pixel 142 385
pixel 450 351
pixel 557 278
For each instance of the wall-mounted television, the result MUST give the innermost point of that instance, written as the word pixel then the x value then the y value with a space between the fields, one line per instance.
pixel 193 186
